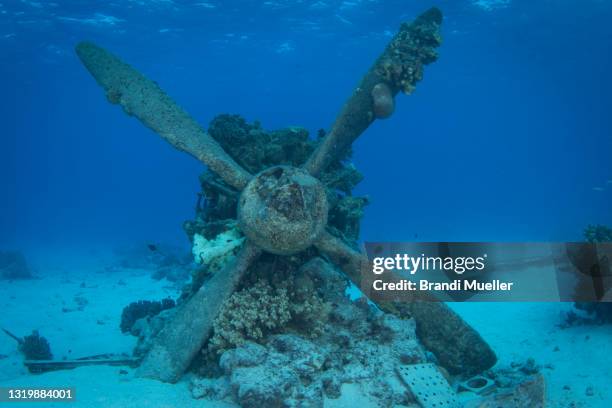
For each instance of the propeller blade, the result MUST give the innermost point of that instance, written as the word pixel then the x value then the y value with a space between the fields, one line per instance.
pixel 184 334
pixel 399 67
pixel 144 99
pixel 349 260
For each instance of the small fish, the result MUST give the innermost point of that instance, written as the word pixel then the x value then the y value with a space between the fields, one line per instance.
pixel 152 247
pixel 598 189
pixel 609 181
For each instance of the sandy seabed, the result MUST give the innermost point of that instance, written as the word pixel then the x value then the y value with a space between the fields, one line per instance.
pixel 576 361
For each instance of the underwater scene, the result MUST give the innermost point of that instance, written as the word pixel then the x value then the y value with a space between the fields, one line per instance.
pixel 306 203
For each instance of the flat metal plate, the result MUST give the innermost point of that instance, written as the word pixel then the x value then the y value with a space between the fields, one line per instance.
pixel 428 386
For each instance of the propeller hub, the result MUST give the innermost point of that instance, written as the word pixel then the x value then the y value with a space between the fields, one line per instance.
pixel 283 210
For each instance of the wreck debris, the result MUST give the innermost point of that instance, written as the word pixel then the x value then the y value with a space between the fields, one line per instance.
pixel 295 201
pixel 458 347
pixel 283 210
pixel 41 366
pixel 19 340
pixel 479 385
pixel 530 393
pixel 33 346
pixel 358 345
pixel 428 386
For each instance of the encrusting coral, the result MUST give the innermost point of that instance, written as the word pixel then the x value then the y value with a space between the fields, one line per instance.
pixel 275 297
pixel 248 314
pixel 33 346
pixel 411 49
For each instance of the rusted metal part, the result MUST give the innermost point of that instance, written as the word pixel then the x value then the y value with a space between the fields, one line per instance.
pixel 41 366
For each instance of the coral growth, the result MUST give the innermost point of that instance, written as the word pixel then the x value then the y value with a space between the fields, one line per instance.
pixel 35 347
pixel 411 49
pixel 598 233
pixel 213 231
pixel 354 344
pixel 273 299
pixel 142 309
pixel 256 150
pixel 250 313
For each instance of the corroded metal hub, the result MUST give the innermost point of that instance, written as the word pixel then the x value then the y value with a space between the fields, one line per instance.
pixel 283 210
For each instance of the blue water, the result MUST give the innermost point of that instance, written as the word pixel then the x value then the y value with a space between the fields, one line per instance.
pixel 504 139
pixel 507 138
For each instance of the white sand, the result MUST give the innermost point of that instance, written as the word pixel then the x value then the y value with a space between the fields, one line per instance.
pixel 516 332
pixel 521 330
pixel 38 304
